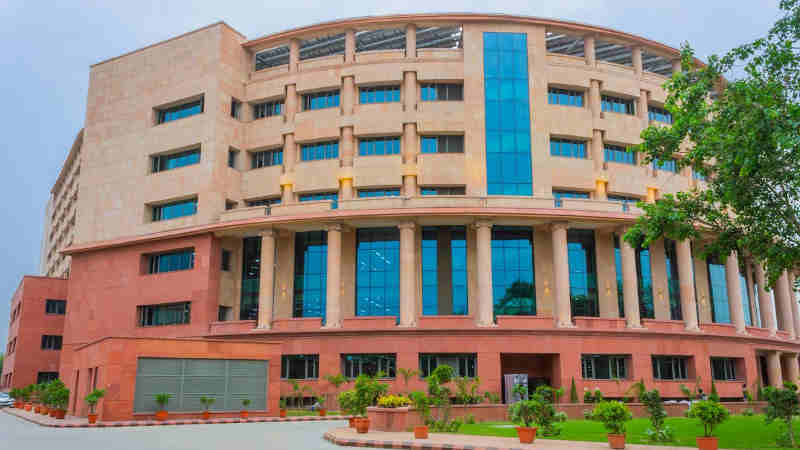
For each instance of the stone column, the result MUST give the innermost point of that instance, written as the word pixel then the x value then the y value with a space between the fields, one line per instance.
pixel 348 95
pixel 601 189
pixel 782 298
pixel 266 291
pixel 349 46
pixel 630 287
pixel 588 50
pixel 291 103
pixel 642 106
pixel 774 372
pixel 793 302
pixel 765 302
pixel 485 316
pixel 561 275
pixel 792 367
pixel 683 253
pixel 411 41
pixel 636 53
pixel 734 293
pixel 294 55
pixel 409 91
pixel 595 102
pixel 333 306
pixel 598 155
pixel 410 140
pixel 408 285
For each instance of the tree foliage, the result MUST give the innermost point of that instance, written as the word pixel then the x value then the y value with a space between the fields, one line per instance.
pixel 742 136
pixel 782 405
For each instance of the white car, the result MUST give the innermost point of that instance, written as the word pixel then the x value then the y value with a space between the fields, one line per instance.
pixel 5 400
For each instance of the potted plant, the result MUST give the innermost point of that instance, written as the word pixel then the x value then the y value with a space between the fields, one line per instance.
pixel 36 397
pixel 207 402
pixel 26 397
pixel 346 402
pixel 91 401
pixel 60 399
pixel 421 403
pixel 710 414
pixel 613 414
pixel 367 391
pixel 320 399
pixel 244 413
pixel 282 411
pixel 522 412
pixel 336 381
pixel 16 394
pixel 162 399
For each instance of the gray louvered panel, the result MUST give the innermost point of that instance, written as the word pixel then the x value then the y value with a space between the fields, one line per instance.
pixel 205 367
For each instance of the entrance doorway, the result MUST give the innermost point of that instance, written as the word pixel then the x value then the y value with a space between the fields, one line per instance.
pixel 541 369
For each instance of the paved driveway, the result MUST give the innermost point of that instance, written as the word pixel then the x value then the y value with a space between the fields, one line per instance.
pixel 19 434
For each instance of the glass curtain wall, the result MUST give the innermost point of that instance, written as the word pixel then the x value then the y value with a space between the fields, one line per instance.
pixel 644 274
pixel 719 291
pixel 310 274
pixel 378 272
pixel 444 271
pixel 618 267
pixel 513 287
pixel 673 282
pixel 251 278
pixel 582 273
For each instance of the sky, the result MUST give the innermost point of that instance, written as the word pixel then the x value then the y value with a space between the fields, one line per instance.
pixel 48 47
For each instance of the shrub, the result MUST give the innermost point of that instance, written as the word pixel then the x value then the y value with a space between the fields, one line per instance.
pixel 714 397
pixel 655 409
pixel 782 404
pixel 162 399
pixel 613 414
pixel 523 411
pixel 748 412
pixel 422 404
pixel 393 401
pixel 560 416
pixel 492 397
pixel 93 398
pixel 207 402
pixel 246 403
pixel 367 390
pixel 587 396
pixel 469 419
pixel 587 414
pixel 346 401
pixel 573 392
pixel 710 414
pixel 598 396
pixel 467 390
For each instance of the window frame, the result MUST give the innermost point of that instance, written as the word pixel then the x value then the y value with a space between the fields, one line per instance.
pixel 443 190
pixel 52 342
pixel 464 359
pixel 309 359
pixel 613 364
pixel 142 310
pixel 381 359
pixel 162 112
pixel 60 306
pixel 387 141
pixel 157 210
pixel 555 93
pixel 579 151
pixel 332 99
pixel 614 149
pixel 441 144
pixel 266 158
pixel 679 364
pixel 391 91
pixel 326 149
pixel 446 88
pixel 608 102
pixel 729 368
pixel 270 108
pixel 161 159
pixel 153 263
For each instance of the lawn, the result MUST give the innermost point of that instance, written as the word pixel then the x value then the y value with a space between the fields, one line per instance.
pixel 307 412
pixel 738 432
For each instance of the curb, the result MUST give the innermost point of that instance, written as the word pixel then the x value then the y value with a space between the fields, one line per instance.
pixel 153 423
pixel 410 445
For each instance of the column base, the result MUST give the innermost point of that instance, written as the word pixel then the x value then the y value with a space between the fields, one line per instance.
pixel 694 329
pixel 565 325
pixel 486 325
pixel 264 327
pixel 634 326
pixel 332 326
pixel 742 333
pixel 407 325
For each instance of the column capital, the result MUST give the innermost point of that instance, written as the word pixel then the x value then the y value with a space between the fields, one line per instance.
pixel 789 354
pixel 268 232
pixel 482 224
pixel 561 225
pixel 334 227
pixel 409 225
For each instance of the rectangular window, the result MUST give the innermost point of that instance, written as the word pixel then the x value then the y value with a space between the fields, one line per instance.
pixel 444 271
pixel 673 282
pixel 174 210
pixel 51 342
pixel 171 262
pixel 718 287
pixel 224 313
pixel 319 150
pixel 378 94
pixel 604 367
pixel 379 146
pixel 618 268
pixel 723 369
pixel 464 365
pixel 321 100
pixel 162 163
pixel 513 286
pixel 226 260
pixel 507 115
pixel 46 377
pixel 659 114
pixel 667 166
pixel 432 92
pixel 748 319
pixel 372 193
pixel 443 190
pixel 267 109
pixel 251 278
pixel 310 273
pixel 670 367
pixel 442 144
pixel 582 273
pixel 233 156
pixel 626 201
pixel 565 97
pixel 370 364
pixel 617 105
pixel 378 272
pixel 164 314
pixel 179 111
pixel 267 158
pixel 618 154
pixel 271 201
pixel 644 276
pixel 55 306
pixel 332 196
pixel 561 195
pixel 236 108
pixel 567 148
pixel 299 367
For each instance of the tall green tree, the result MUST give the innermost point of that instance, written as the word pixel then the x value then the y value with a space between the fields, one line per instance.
pixel 735 122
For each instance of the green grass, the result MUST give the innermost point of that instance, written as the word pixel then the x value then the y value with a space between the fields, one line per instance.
pixel 306 412
pixel 738 432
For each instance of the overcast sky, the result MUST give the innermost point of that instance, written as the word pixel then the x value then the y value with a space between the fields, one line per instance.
pixel 48 46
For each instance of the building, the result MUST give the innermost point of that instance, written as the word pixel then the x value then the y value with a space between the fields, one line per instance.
pixel 393 192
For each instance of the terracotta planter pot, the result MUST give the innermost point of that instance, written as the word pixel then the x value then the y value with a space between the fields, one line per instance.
pixel 51 412
pixel 206 415
pixel 616 441
pixel 61 413
pixel 161 415
pixel 526 434
pixel 708 443
pixel 28 406
pixel 18 404
pixel 362 425
pixel 323 412
pixel 351 422
pixel 244 414
pixel 421 432
pixel 37 409
pixel 92 418
pixel 282 413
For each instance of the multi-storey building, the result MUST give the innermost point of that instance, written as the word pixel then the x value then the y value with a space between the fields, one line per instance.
pixel 394 192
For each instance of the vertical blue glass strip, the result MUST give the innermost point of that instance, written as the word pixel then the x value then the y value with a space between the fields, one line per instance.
pixel 507 104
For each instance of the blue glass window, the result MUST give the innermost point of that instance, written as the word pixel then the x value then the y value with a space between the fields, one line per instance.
pixel 565 97
pixel 442 144
pixel 321 100
pixel 644 276
pixel 626 201
pixel 174 210
pixel 271 201
pixel 378 272
pixel 673 282
pixel 668 166
pixel 379 146
pixel 582 273
pixel 508 122
pixel 180 111
pixel 319 150
pixel 513 287
pixel 560 195
pixel 618 154
pixel 718 285
pixel 617 105
pixel 443 190
pixel 379 94
pixel 267 109
pixel 333 196
pixel 310 273
pixel 172 261
pixel 659 114
pixel 748 319
pixel 567 148
pixel 371 193
pixel 442 92
pixel 618 268
pixel 267 158
pixel 444 271
pixel 175 160
pixel 251 278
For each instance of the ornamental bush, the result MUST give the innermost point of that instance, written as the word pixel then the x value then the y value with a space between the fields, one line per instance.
pixel 613 414
pixel 710 414
pixel 393 401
